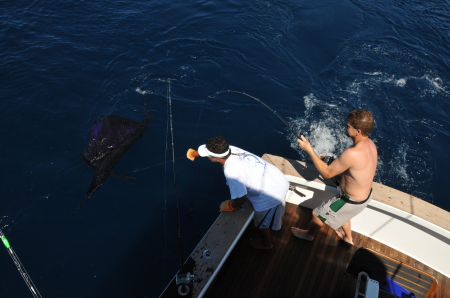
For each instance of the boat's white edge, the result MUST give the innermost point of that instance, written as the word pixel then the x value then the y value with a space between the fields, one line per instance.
pixel 215 228
pixel 225 257
pixel 403 231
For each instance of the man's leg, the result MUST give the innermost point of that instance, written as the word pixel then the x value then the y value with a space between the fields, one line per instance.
pixel 265 221
pixel 314 226
pixel 265 242
pixel 347 232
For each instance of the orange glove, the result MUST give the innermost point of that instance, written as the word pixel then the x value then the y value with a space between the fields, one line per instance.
pixel 227 206
pixel 192 154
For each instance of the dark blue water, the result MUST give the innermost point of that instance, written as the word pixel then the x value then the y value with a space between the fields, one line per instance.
pixel 66 63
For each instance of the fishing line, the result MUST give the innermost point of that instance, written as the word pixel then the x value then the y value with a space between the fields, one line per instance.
pixel 34 291
pixel 258 100
pixel 191 201
pixel 198 122
pixel 180 247
pixel 155 165
pixel 165 186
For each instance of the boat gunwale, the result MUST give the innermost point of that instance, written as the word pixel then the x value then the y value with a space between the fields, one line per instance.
pixel 382 193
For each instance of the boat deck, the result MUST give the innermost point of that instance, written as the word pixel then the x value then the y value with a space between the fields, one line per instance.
pixel 298 268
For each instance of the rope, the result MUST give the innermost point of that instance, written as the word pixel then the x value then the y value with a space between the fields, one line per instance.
pixel 34 291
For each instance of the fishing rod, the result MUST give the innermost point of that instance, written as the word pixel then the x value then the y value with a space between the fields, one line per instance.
pixel 34 291
pixel 260 101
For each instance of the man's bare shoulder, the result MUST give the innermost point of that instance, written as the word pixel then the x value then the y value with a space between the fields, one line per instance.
pixel 368 147
pixel 358 151
pixel 348 157
pixel 350 152
pixel 364 152
pixel 363 145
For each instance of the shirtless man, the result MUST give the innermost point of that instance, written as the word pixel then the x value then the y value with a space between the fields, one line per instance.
pixel 357 165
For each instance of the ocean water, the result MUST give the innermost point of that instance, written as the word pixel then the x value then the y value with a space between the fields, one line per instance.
pixel 66 63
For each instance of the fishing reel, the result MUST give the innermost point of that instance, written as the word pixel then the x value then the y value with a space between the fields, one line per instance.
pixel 327 159
pixel 184 281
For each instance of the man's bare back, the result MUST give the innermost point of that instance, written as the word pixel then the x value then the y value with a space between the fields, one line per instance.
pixel 357 180
pixel 357 165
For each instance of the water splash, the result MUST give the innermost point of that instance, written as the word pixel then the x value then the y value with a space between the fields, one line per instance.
pixel 325 132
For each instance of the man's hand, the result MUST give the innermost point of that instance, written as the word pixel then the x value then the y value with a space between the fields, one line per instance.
pixel 227 206
pixel 304 144
pixel 192 154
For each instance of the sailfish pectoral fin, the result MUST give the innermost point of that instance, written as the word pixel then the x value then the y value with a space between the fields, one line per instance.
pixel 123 176
pixel 87 162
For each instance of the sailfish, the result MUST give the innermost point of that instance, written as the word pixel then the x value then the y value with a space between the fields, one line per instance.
pixel 110 137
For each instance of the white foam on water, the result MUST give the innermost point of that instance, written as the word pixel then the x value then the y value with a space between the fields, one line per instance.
pixel 138 90
pixel 399 163
pixel 322 137
pixel 309 103
pixel 436 82
pixel 401 83
pixel 378 78
pixel 326 133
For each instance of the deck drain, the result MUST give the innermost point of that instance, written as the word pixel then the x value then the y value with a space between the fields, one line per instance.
pixel 207 254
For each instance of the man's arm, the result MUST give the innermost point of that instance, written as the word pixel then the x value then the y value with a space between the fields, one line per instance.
pixel 238 202
pixel 230 205
pixel 338 166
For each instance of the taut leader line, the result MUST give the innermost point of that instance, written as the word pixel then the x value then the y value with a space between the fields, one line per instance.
pixel 258 100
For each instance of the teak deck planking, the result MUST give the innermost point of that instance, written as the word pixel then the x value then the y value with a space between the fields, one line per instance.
pixel 299 268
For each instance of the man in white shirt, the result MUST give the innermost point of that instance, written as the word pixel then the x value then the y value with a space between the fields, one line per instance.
pixel 249 177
